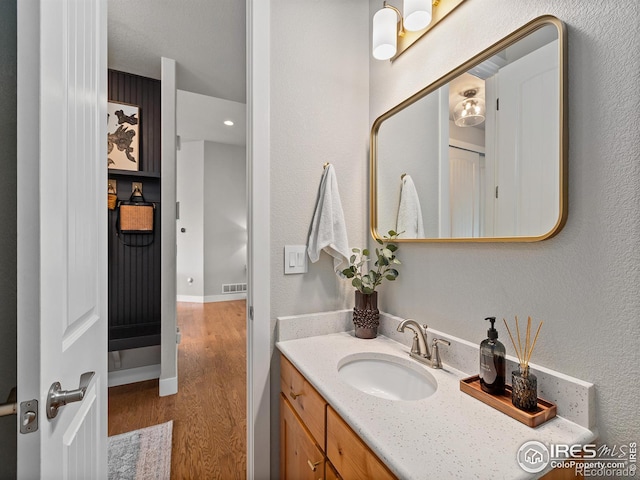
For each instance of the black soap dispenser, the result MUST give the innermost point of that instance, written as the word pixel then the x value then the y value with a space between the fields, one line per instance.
pixel 492 362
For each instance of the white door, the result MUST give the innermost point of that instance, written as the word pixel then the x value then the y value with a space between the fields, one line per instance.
pixel 465 193
pixel 62 221
pixel 528 145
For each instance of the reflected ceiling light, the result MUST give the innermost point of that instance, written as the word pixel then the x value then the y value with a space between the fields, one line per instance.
pixel 389 24
pixel 228 123
pixel 470 111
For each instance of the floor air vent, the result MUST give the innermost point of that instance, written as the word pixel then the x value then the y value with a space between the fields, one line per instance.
pixel 234 287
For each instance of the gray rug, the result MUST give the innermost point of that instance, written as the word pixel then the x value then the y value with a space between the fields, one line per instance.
pixel 143 454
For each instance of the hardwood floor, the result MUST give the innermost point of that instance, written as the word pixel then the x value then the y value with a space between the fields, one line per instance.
pixel 209 410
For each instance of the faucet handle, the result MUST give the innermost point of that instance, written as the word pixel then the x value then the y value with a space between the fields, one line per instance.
pixel 436 362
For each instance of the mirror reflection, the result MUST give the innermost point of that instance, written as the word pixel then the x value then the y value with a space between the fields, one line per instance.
pixel 478 155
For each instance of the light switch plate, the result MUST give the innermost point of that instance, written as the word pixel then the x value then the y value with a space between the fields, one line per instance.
pixel 295 259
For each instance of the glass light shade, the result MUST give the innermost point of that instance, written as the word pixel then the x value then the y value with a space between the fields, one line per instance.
pixel 385 34
pixel 469 112
pixel 417 14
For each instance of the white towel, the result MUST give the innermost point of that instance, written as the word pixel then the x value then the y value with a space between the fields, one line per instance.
pixel 409 212
pixel 328 231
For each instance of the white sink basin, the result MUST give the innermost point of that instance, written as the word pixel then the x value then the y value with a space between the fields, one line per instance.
pixel 386 376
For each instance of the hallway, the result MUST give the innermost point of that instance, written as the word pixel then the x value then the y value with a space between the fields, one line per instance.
pixel 209 410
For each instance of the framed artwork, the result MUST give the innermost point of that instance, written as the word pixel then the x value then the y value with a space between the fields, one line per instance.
pixel 123 136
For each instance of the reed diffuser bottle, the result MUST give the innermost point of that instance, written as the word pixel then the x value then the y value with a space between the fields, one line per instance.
pixel 524 384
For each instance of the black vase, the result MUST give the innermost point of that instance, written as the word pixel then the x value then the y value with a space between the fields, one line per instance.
pixel 366 315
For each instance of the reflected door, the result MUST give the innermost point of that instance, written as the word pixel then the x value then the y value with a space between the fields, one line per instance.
pixel 465 193
pixel 528 145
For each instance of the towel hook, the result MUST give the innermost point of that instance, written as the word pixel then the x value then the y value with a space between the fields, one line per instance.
pixel 402 176
pixel 326 164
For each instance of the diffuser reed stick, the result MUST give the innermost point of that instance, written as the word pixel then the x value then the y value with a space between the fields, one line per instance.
pixel 524 355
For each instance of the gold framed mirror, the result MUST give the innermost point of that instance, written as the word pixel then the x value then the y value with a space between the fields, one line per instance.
pixel 480 155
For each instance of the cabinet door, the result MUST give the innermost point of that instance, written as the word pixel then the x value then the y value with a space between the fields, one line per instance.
pixel 300 457
pixel 349 455
pixel 330 472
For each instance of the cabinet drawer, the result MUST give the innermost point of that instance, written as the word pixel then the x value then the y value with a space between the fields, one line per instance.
pixel 300 457
pixel 349 455
pixel 304 399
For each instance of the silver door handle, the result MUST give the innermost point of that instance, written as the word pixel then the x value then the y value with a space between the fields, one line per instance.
pixel 58 397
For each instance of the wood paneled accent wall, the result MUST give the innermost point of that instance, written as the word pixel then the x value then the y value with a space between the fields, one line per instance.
pixel 145 93
pixel 134 272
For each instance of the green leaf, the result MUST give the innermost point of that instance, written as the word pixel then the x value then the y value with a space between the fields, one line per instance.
pixel 379 240
pixel 352 259
pixel 365 252
pixel 355 250
pixel 392 246
pixel 392 233
pixel 357 283
pixel 393 272
pixel 391 278
pixel 387 253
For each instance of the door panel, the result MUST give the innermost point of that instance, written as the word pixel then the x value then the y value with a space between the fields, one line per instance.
pixel 62 220
pixel 527 165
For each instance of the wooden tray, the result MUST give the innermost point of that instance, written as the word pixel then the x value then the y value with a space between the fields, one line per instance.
pixel 544 411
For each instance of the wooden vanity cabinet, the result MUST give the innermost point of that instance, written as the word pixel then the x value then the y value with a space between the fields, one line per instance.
pixel 312 435
pixel 300 457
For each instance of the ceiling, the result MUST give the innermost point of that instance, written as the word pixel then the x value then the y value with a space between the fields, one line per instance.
pixel 206 38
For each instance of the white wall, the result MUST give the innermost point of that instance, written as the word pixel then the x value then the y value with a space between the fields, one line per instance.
pixel 319 104
pixel 403 149
pixel 190 243
pixel 225 217
pixel 211 189
pixel 585 282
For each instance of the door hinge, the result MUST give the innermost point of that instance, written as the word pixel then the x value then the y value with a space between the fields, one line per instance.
pixel 251 312
pixel 29 416
pixel 497 104
pixel 496 191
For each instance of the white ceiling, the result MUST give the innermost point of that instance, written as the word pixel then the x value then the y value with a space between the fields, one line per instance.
pixel 200 117
pixel 206 38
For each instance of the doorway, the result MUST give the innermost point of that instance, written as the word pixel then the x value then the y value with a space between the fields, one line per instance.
pixel 134 35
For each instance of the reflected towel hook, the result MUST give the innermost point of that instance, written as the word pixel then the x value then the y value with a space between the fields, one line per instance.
pixel 324 167
pixel 402 176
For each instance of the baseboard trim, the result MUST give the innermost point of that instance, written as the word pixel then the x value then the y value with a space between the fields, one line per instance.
pixel 168 386
pixel 133 375
pixel 212 298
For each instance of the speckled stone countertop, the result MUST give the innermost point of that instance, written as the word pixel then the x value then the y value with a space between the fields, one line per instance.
pixel 445 436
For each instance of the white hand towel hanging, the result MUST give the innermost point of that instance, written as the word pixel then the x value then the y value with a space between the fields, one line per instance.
pixel 409 220
pixel 328 231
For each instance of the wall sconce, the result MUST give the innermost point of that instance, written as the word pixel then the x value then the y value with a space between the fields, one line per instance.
pixel 394 32
pixel 470 111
